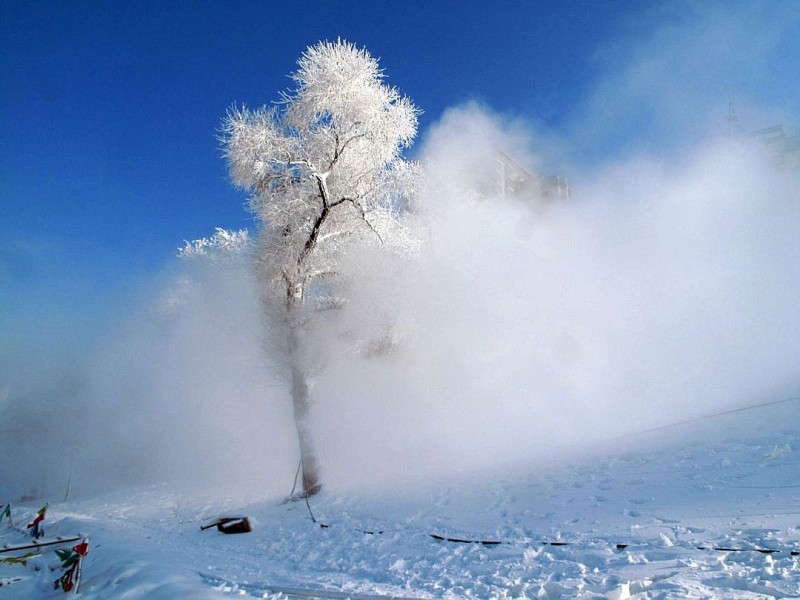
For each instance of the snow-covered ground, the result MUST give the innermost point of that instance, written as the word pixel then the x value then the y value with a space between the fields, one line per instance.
pixel 681 512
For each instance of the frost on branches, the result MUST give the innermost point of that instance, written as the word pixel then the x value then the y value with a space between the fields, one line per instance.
pixel 224 244
pixel 324 166
pixel 324 171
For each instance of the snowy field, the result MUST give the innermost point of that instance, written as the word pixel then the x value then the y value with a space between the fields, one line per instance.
pixel 709 509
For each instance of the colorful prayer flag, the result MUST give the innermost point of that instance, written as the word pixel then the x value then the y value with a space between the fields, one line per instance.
pixel 38 530
pixel 82 548
pixel 7 513
pixel 71 562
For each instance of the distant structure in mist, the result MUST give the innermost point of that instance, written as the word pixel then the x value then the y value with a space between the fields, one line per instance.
pixel 786 147
pixel 515 181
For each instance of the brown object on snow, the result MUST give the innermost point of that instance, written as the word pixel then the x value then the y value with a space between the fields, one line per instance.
pixel 230 525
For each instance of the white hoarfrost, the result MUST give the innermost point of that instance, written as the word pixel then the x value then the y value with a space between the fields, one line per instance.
pixel 223 243
pixel 324 167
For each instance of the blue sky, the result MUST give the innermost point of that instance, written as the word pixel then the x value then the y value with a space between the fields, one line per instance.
pixel 109 111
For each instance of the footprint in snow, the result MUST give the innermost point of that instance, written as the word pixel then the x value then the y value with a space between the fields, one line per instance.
pixel 667 520
pixel 639 500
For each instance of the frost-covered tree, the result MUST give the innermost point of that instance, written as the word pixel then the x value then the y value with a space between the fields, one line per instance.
pixel 324 170
pixel 224 243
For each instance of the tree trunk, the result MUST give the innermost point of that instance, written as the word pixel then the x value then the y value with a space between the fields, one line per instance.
pixel 301 404
pixel 301 401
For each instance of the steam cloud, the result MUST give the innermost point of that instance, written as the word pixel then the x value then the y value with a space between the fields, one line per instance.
pixel 665 288
pixel 658 293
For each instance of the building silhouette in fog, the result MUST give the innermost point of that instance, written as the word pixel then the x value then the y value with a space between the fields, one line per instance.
pixel 785 147
pixel 515 181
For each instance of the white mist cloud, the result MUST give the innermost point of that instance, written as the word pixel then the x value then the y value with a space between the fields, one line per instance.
pixel 180 391
pixel 660 292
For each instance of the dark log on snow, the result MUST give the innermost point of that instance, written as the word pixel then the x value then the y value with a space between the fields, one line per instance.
pixel 230 525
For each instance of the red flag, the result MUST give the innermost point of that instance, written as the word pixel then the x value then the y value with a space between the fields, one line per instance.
pixel 39 517
pixel 37 531
pixel 82 548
